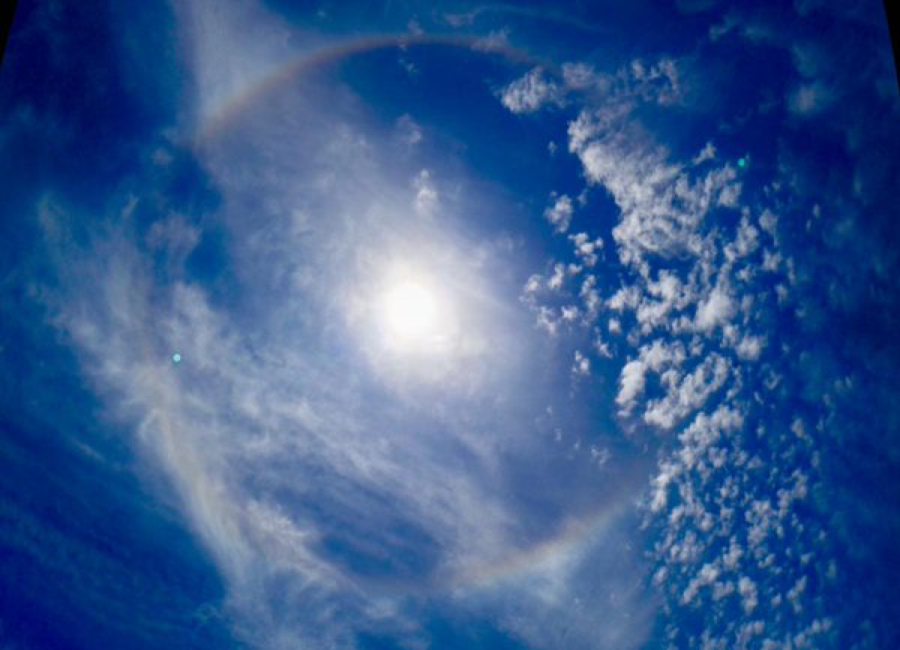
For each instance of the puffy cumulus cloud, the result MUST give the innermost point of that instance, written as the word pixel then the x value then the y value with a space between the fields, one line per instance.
pixel 702 274
pixel 660 83
pixel 685 394
pixel 656 357
pixel 631 384
pixel 554 301
pixel 582 364
pixel 746 242
pixel 427 198
pixel 559 213
pixel 707 153
pixel 662 204
pixel 715 309
pixel 749 595
pixel 587 250
pixel 532 92
pixel 665 298
pixel 556 279
pixel 750 347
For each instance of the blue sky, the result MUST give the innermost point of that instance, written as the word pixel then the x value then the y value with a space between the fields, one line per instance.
pixel 435 325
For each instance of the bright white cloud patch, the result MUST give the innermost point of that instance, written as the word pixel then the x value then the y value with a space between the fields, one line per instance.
pixel 688 309
pixel 559 213
pixel 532 92
pixel 715 310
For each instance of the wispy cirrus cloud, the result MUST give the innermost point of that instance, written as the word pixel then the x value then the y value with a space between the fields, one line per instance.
pixel 341 485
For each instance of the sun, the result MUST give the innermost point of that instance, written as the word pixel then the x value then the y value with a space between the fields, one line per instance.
pixel 410 311
pixel 409 314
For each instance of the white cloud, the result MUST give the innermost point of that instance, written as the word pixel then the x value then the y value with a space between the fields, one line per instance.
pixel 229 51
pixel 746 242
pixel 683 278
pixel 810 98
pixel 555 282
pixel 531 92
pixel 582 77
pixel 409 131
pixel 587 249
pixel 600 456
pixel 582 364
pixel 750 347
pixel 748 591
pixel 533 284
pixel 426 201
pixel 662 207
pixel 591 298
pixel 547 320
pixel 631 384
pixel 559 213
pixel 707 576
pixel 660 82
pixel 625 298
pixel 653 358
pixel 570 313
pixel 690 295
pixel 715 310
pixel 796 592
pixel 686 394
pixel 666 294
pixel 700 437
pixel 707 153
pixel 768 221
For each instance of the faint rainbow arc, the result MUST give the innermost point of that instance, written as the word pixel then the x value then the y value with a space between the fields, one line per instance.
pixel 311 60
pixel 574 538
pixel 575 535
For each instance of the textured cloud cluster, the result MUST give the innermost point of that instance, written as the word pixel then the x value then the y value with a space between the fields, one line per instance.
pixel 531 92
pixel 659 83
pixel 744 554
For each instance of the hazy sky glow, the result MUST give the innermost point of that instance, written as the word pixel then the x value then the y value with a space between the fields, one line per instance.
pixel 414 325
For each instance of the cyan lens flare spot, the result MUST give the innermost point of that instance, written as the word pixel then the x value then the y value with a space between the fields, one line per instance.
pixel 176 358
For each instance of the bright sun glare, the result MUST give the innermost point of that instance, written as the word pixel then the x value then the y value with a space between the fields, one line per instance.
pixel 410 311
